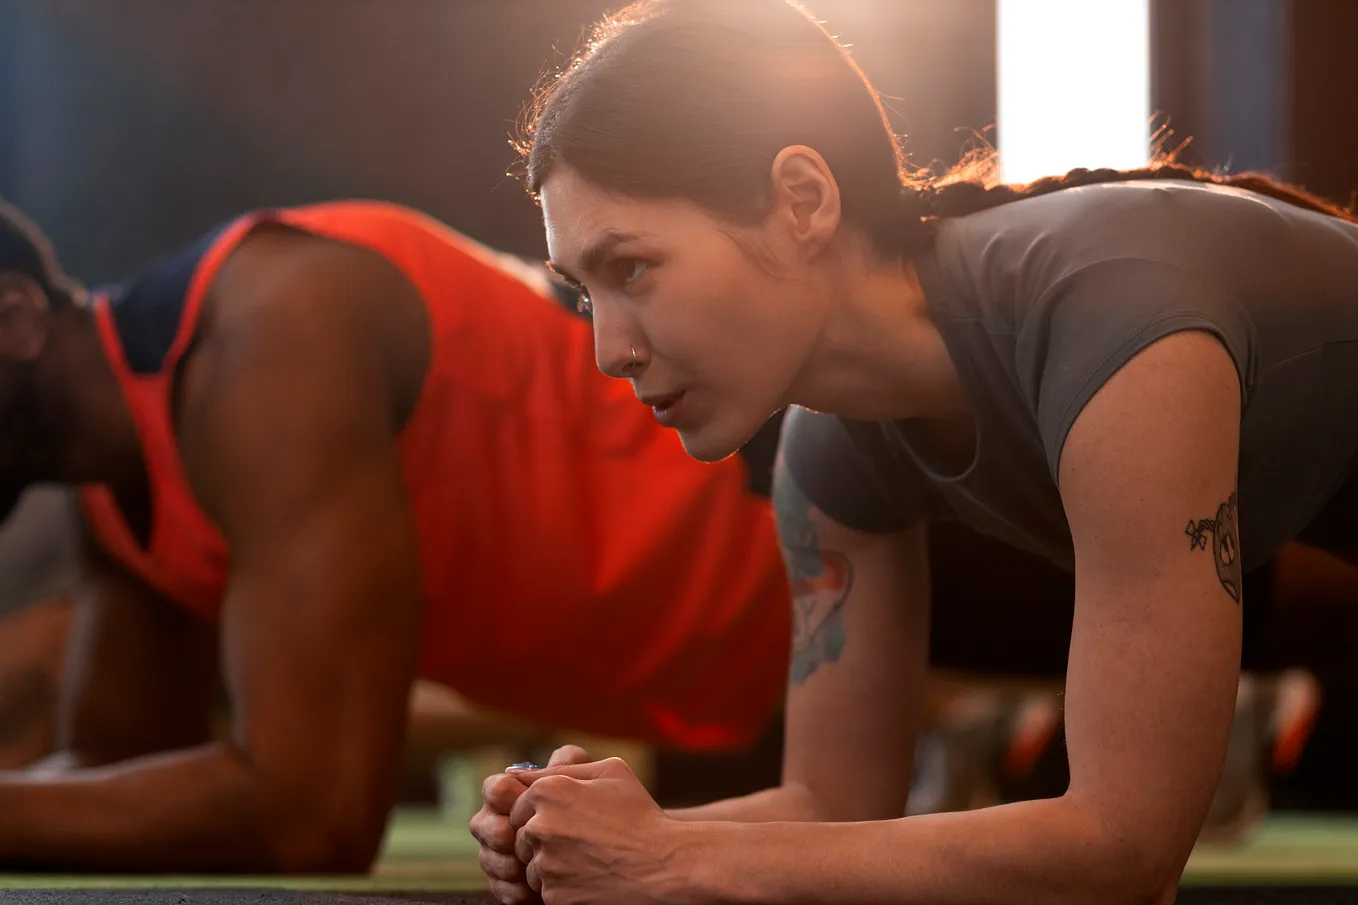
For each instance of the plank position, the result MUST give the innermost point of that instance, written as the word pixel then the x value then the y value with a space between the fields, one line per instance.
pixel 323 452
pixel 1148 377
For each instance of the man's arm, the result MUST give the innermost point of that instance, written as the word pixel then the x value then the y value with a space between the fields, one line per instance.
pixel 38 575
pixel 1148 478
pixel 39 549
pixel 858 670
pixel 141 674
pixel 287 432
pixel 130 674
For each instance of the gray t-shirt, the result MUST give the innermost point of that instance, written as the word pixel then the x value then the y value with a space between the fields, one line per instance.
pixel 1040 301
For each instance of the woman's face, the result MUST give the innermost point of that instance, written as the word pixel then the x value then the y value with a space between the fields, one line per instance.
pixel 722 317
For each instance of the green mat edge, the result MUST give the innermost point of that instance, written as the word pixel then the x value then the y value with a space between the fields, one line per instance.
pixel 299 884
pixel 1288 850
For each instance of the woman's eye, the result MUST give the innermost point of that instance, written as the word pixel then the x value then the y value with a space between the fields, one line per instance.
pixel 583 303
pixel 630 269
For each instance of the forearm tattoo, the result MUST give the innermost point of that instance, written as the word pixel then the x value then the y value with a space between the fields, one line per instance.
pixel 1225 535
pixel 820 582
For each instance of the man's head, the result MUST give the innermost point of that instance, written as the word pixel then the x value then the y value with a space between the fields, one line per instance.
pixel 33 292
pixel 27 255
pixel 32 286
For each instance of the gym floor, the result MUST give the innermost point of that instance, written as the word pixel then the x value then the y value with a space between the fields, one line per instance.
pixel 1290 860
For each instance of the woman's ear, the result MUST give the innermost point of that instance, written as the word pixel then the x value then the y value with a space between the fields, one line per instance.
pixel 805 198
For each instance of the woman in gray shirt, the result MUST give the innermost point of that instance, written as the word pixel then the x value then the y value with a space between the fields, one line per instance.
pixel 1148 377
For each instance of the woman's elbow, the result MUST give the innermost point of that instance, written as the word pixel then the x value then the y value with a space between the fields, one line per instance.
pixel 1132 865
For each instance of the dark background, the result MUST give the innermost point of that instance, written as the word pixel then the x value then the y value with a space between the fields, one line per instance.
pixel 130 126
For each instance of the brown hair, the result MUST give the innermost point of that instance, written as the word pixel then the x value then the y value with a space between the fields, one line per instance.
pixel 695 98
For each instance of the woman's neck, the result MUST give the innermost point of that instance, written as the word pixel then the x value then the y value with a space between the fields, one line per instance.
pixel 881 356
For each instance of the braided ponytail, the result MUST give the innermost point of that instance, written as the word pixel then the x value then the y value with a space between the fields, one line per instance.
pixel 923 205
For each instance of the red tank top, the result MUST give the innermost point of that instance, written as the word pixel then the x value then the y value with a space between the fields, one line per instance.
pixel 579 569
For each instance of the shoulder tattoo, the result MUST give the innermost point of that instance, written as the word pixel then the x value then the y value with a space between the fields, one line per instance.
pixel 820 581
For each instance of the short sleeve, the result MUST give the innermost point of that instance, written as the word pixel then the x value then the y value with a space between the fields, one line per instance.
pixel 848 470
pixel 1099 318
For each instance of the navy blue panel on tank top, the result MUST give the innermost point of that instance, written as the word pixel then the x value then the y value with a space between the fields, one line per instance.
pixel 147 308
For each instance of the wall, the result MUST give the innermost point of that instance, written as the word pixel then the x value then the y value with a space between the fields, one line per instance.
pixel 128 126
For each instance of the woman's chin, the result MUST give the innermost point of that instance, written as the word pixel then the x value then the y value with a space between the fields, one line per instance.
pixel 712 441
pixel 700 447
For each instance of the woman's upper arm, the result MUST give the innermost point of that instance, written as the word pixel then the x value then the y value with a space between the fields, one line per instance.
pixel 860 650
pixel 1148 479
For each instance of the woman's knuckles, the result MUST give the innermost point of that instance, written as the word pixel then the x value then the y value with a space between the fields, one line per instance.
pixel 553 790
pixel 496 834
pixel 543 831
pixel 499 792
pixel 501 867
pixel 616 766
pixel 569 754
pixel 481 824
pixel 513 893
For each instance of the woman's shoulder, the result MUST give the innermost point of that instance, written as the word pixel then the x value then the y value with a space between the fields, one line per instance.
pixel 1178 222
pixel 1005 262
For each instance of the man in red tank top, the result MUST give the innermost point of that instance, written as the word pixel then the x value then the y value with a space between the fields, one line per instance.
pixel 319 454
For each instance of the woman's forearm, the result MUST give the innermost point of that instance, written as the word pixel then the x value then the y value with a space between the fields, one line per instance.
pixel 782 803
pixel 1032 853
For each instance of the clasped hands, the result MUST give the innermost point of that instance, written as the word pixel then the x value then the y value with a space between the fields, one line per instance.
pixel 577 831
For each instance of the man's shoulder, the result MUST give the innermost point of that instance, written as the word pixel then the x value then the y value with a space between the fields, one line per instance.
pixel 297 314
